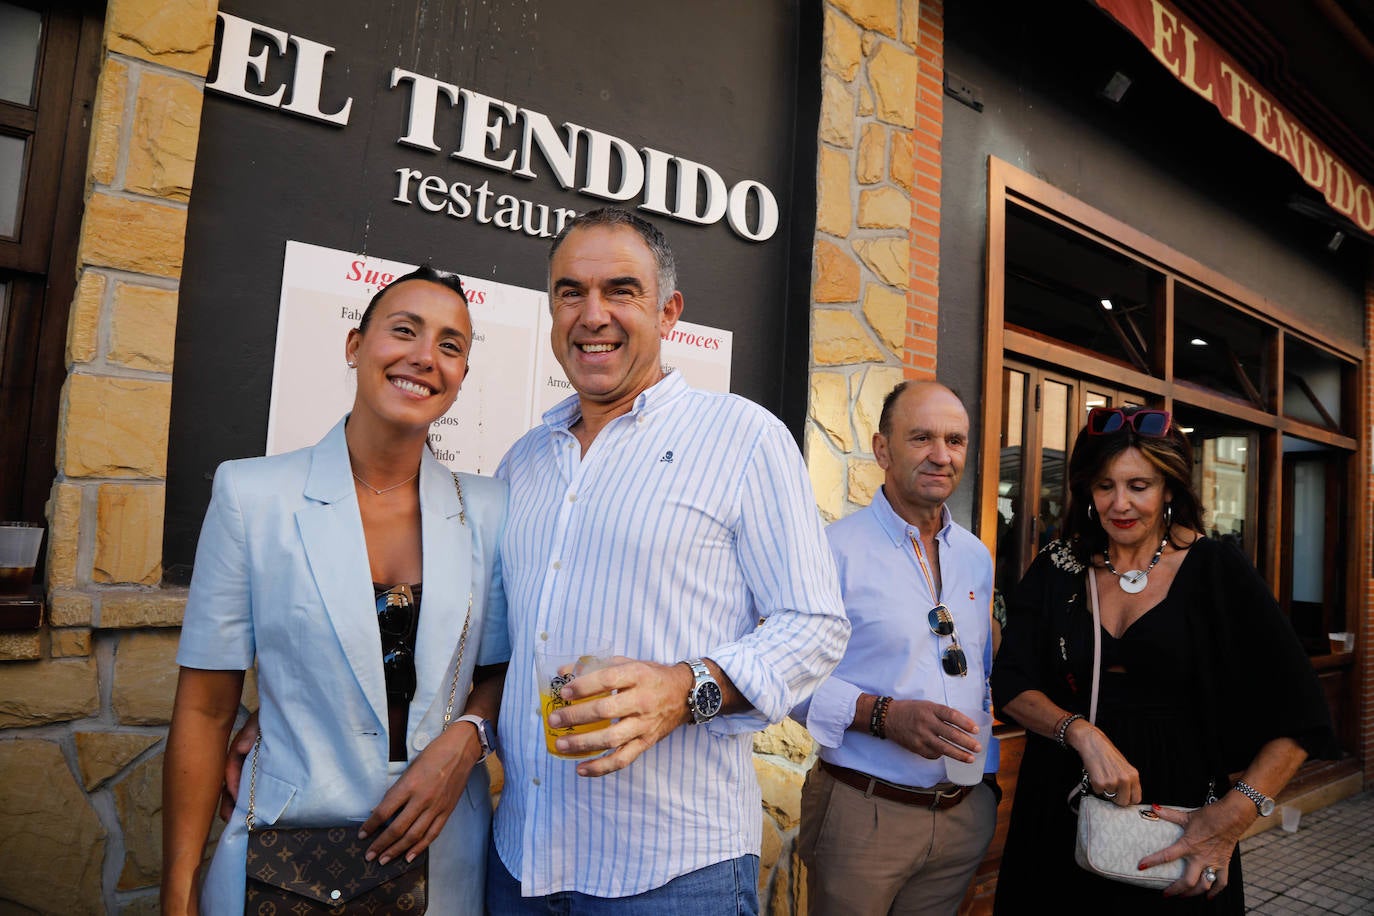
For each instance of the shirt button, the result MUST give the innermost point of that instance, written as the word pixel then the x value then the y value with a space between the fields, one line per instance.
pixel 557 564
pixel 535 780
pixel 544 636
pixel 421 739
pixel 572 497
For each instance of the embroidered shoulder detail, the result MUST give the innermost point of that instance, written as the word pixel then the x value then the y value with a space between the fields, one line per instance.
pixel 1062 556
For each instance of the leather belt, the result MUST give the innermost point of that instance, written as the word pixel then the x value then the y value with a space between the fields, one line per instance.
pixel 934 799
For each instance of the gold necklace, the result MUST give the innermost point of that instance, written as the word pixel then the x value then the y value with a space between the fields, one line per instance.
pixel 386 489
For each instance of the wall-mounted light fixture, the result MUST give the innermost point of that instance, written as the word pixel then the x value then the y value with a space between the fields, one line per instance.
pixel 1107 304
pixel 1198 342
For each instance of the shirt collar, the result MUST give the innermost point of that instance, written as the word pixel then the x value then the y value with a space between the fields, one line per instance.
pixel 566 412
pixel 898 529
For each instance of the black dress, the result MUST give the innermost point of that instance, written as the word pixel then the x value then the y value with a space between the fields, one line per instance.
pixel 1210 674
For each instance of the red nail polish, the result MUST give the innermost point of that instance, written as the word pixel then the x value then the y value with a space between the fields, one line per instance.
pixel 1156 807
pixel 1140 867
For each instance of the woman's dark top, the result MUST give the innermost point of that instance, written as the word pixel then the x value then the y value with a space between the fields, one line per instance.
pixel 1209 675
pixel 398 711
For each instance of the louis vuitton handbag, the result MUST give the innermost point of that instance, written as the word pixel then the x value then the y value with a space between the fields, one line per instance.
pixel 1111 839
pixel 302 871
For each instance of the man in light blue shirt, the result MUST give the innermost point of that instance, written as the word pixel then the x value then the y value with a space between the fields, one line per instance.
pixel 680 525
pixel 883 828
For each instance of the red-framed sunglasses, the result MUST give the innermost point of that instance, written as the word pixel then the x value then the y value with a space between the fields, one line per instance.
pixel 1145 421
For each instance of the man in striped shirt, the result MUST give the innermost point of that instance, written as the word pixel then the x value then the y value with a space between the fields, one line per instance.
pixel 680 526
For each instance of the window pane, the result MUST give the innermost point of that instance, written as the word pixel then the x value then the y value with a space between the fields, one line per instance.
pixel 1060 283
pixel 1313 547
pixel 1224 467
pixel 11 183
pixel 1312 385
pixel 1216 346
pixel 1010 502
pixel 1054 451
pixel 20 30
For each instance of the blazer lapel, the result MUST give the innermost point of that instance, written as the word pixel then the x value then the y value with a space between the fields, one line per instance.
pixel 331 532
pixel 447 546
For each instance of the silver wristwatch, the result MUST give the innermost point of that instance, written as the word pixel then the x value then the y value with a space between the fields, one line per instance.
pixel 1263 803
pixel 704 699
pixel 483 738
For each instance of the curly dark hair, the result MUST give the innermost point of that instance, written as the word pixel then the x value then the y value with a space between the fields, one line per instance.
pixel 1171 454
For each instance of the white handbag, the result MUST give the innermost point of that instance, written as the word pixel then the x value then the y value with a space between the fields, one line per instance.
pixel 1111 839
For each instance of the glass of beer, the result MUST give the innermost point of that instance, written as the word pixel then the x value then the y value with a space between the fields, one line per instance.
pixel 19 542
pixel 555 664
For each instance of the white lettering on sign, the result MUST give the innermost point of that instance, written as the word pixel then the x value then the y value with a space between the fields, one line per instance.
pixel 499 135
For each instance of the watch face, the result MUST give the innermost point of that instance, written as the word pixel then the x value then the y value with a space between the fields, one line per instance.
pixel 1266 807
pixel 708 699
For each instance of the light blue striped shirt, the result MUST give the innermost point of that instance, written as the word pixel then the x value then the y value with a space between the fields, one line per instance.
pixel 689 520
pixel 892 651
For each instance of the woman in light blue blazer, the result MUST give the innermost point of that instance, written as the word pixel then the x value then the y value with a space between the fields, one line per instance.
pixel 353 575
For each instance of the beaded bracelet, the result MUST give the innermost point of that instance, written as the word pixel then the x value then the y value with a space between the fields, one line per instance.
pixel 877 721
pixel 1061 731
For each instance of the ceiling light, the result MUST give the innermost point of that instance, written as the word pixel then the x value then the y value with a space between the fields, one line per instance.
pixel 1107 304
pixel 1336 240
pixel 1198 342
pixel 1186 429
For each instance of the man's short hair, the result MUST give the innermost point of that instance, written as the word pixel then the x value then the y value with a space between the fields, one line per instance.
pixel 664 261
pixel 890 403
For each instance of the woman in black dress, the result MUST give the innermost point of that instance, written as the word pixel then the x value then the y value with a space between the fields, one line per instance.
pixel 1205 691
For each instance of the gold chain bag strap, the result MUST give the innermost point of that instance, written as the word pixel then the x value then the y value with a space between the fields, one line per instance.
pixel 302 871
pixel 1112 839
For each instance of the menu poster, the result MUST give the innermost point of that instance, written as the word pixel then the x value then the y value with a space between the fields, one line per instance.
pixel 513 380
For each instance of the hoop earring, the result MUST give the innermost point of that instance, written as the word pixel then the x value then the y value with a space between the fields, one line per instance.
pixel 1168 518
pixel 1091 512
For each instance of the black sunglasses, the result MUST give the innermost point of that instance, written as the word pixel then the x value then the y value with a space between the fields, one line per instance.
pixel 1103 421
pixel 396 620
pixel 941 623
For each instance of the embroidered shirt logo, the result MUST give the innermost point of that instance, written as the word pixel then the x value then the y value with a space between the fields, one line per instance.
pixel 667 457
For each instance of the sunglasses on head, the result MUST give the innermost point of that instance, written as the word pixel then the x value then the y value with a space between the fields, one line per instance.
pixel 1103 421
pixel 396 621
pixel 941 623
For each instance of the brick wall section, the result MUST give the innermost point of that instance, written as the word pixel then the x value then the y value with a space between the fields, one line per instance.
pixel 88 783
pixel 922 327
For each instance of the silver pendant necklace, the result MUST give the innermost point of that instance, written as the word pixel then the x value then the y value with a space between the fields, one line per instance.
pixel 1133 581
pixel 394 486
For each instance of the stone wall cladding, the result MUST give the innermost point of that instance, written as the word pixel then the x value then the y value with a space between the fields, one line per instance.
pixel 83 717
pixel 875 275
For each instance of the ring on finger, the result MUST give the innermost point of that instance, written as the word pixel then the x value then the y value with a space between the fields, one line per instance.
pixel 1109 795
pixel 1209 874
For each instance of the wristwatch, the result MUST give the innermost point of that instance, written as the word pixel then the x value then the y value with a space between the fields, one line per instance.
pixel 704 699
pixel 1263 803
pixel 483 738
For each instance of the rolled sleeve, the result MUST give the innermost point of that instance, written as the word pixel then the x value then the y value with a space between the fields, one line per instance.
pixel 831 711
pixel 217 631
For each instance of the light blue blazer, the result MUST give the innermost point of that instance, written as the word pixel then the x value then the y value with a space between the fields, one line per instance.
pixel 282 578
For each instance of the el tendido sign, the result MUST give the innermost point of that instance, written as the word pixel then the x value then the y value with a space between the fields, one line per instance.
pixel 499 135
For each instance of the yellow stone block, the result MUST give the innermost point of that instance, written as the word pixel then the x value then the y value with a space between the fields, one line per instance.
pixel 865 476
pixel 827 473
pixel 872 154
pixel 71 643
pixel 83 327
pixel 162 151
pixel 889 258
pixel 837 112
pixel 837 275
pixel 114 427
pixel 108 121
pixel 879 15
pixel 133 235
pixel 64 533
pixel 138 609
pixel 40 693
pixel 834 210
pixel 884 208
pixel 145 678
pixel 175 33
pixel 911 23
pixel 892 70
pixel 903 161
pixel 868 406
pixel 843 52
pixel 128 534
pixel 865 101
pixel 885 310
pixel 24 646
pixel 69 609
pixel 143 327
pixel 838 339
pixel 101 755
pixel 829 407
